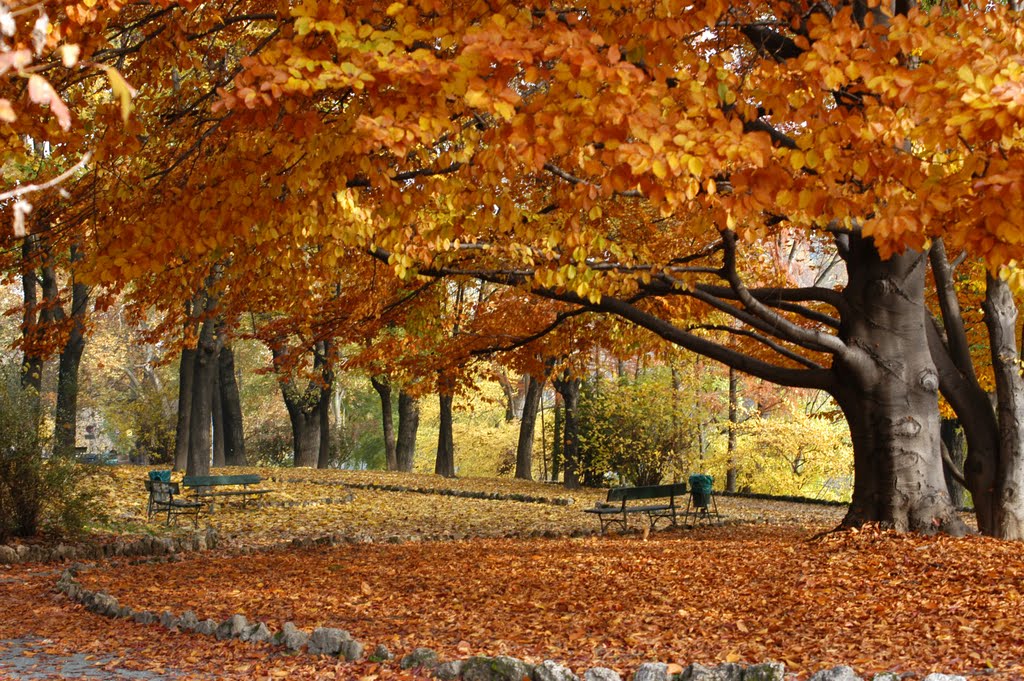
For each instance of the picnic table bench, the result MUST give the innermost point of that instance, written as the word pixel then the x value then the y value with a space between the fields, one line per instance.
pixel 612 513
pixel 207 487
pixel 162 499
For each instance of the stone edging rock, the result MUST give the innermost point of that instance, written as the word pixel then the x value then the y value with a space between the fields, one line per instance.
pixel 339 643
pixel 438 491
pixel 143 546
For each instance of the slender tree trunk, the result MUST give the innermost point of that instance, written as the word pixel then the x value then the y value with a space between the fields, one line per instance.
pixel 231 408
pixel 32 319
pixel 953 439
pixel 186 374
pixel 1001 320
pixel 524 448
pixel 569 389
pixel 731 472
pixel 557 439
pixel 383 387
pixel 66 426
pixel 408 424
pixel 444 464
pixel 201 413
pixel 324 413
pixel 217 412
pixel 887 386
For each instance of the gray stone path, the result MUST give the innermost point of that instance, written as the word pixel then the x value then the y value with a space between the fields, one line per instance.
pixel 25 658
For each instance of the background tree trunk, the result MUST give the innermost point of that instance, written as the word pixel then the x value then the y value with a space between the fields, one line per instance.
pixel 383 387
pixel 556 439
pixel 569 389
pixel 66 427
pixel 217 412
pixel 201 412
pixel 445 462
pixel 731 472
pixel 953 438
pixel 186 372
pixel 324 413
pixel 32 318
pixel 231 405
pixel 408 424
pixel 305 437
pixel 524 448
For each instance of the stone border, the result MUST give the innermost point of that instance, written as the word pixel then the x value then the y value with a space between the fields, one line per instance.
pixel 437 491
pixel 143 546
pixel 339 643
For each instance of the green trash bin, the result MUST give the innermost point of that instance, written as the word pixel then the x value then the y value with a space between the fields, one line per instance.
pixel 700 489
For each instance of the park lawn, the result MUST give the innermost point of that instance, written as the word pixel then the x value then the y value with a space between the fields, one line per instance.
pixel 768 584
pixel 874 600
pixel 312 503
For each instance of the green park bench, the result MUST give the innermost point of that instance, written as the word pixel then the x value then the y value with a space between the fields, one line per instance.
pixel 209 488
pixel 616 510
pixel 162 499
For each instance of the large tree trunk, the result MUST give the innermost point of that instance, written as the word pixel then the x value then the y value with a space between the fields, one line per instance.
pixel 383 387
pixel 524 448
pixel 201 414
pixel 408 424
pixel 231 406
pixel 305 437
pixel 66 426
pixel 444 464
pixel 1001 320
pixel 569 389
pixel 305 409
pixel 888 389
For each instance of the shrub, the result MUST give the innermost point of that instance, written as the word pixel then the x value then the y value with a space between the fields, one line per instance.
pixel 37 494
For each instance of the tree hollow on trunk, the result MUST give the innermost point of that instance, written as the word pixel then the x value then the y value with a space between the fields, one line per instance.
pixel 408 424
pixel 383 387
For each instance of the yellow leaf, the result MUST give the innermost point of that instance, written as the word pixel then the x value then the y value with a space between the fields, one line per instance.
pixel 659 168
pixel 122 90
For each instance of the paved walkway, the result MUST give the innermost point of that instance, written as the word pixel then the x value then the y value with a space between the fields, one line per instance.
pixel 26 658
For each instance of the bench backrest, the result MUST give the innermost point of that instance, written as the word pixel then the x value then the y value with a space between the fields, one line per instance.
pixel 215 480
pixel 647 492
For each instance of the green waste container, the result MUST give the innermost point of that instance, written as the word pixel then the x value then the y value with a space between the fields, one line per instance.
pixel 700 489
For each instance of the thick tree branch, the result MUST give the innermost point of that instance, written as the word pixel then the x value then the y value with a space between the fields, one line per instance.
pixel 781 326
pixel 949 305
pixel 776 347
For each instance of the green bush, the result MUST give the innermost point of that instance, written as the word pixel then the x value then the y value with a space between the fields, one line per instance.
pixel 37 494
pixel 632 429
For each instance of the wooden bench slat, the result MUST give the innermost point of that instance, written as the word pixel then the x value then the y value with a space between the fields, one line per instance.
pixel 216 480
pixel 646 492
